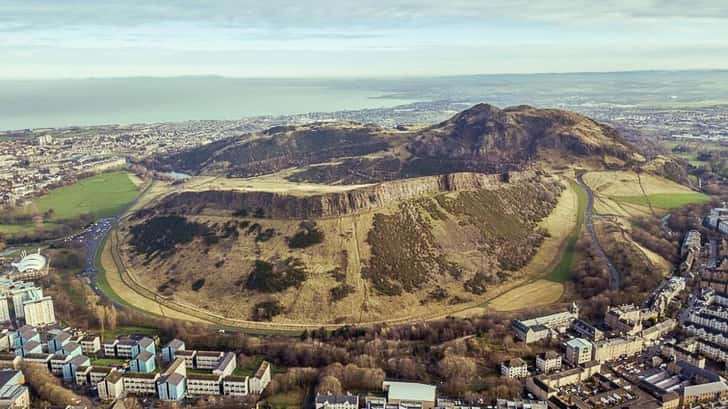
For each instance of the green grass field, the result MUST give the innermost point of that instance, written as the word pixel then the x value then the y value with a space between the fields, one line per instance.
pixel 663 200
pixel 288 400
pixel 108 362
pixel 113 333
pixel 102 195
pixel 562 270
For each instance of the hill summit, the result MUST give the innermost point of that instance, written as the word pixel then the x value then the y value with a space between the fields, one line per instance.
pixel 483 138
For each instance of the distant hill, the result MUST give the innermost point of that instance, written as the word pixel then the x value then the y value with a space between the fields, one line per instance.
pixel 480 139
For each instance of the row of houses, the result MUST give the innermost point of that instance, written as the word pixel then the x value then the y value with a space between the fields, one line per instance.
pixel 173 384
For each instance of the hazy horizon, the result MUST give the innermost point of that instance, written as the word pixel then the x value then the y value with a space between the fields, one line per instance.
pixel 327 38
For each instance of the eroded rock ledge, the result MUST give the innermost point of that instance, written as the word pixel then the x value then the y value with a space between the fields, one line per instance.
pixel 336 204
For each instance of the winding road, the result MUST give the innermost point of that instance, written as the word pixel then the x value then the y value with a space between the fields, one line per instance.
pixel 614 275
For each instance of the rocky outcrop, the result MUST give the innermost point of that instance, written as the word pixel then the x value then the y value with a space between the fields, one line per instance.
pixel 334 204
pixel 482 139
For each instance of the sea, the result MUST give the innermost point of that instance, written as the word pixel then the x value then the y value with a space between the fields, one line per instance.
pixel 27 104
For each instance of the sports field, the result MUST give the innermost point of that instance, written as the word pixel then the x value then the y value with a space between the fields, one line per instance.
pixel 663 200
pixel 102 195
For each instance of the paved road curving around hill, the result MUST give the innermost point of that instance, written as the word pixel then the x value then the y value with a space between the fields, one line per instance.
pixel 614 276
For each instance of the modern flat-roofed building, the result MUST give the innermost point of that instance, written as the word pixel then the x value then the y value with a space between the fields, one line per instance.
pixel 258 382
pixel 70 368
pixel 57 362
pixel 410 394
pixel 172 387
pixel 82 375
pixel 111 387
pixel 578 351
pixel 58 342
pixel 39 312
pixel 4 310
pixel 203 384
pixel 188 356
pixel 91 344
pixel 226 365
pixel 169 350
pixel 12 392
pixel 138 383
pixel 235 386
pixel 30 347
pixel 25 334
pixel 97 374
pixel 128 347
pixel 144 362
pixel 207 359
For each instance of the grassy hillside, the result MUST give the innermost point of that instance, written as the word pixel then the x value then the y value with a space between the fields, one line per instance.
pixel 421 255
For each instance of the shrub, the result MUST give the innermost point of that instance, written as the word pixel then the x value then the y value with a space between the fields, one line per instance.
pixel 198 284
pixel 268 277
pixel 266 310
pixel 340 292
pixel 307 235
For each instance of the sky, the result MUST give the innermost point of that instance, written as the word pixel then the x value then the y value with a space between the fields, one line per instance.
pixel 363 38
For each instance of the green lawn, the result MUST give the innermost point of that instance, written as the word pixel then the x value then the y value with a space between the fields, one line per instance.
pixel 288 400
pixel 102 195
pixel 108 362
pixel 562 270
pixel 113 333
pixel 663 200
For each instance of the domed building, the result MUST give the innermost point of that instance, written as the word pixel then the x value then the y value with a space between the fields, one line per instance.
pixel 30 266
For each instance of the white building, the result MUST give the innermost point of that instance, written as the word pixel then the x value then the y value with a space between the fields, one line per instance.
pixel 235 385
pixel 203 384
pixel 578 351
pixel 514 368
pixel 548 361
pixel 4 310
pixel 260 381
pixel 39 312
pixel 139 383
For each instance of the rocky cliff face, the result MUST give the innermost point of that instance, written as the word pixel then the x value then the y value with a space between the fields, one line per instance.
pixel 335 204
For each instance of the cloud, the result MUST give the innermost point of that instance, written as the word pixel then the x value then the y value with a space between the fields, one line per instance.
pixel 43 34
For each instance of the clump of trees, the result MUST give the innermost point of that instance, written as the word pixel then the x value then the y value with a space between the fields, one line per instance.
pixel 50 389
pixel 161 234
pixel 275 277
pixel 266 310
pixel 308 234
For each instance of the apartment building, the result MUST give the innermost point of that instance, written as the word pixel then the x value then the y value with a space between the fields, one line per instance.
pixel 203 384
pixel 578 351
pixel 235 385
pixel 548 361
pixel 140 383
pixel 514 368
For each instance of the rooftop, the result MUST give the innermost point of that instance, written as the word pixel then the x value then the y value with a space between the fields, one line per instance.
pixel 410 391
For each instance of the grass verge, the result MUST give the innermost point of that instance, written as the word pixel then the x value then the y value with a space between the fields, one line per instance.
pixel 562 269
